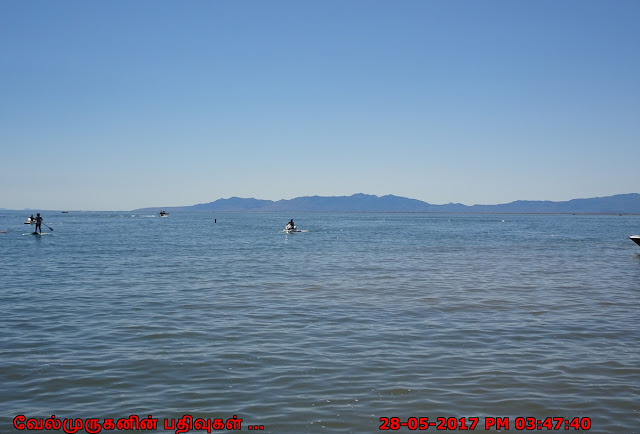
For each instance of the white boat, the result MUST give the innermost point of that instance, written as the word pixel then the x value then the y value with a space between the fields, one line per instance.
pixel 288 229
pixel 635 239
pixel 30 221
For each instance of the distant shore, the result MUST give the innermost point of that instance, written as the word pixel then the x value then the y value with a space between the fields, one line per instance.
pixel 618 204
pixel 621 204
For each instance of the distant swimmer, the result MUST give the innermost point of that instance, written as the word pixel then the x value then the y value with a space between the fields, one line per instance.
pixel 38 223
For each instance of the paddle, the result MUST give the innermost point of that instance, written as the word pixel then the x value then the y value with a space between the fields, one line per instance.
pixel 49 227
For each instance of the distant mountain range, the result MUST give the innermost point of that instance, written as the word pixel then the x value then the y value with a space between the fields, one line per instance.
pixel 618 204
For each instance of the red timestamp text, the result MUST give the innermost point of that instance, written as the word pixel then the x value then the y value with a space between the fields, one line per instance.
pixel 487 423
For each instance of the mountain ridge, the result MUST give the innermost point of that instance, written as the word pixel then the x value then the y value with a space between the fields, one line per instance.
pixel 628 203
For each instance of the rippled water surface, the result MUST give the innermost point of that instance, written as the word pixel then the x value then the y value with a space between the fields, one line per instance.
pixel 364 316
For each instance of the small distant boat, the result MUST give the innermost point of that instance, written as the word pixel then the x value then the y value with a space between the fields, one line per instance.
pixel 635 239
pixel 289 228
pixel 30 221
pixel 65 212
pixel 163 214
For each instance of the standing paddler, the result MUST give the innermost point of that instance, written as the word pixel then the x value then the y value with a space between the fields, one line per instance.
pixel 38 223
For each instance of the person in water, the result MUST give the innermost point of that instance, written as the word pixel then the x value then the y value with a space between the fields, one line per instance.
pixel 38 223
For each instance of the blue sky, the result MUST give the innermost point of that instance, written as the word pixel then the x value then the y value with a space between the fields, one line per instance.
pixel 126 104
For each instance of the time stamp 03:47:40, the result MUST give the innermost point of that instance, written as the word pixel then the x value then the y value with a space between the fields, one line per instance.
pixel 487 423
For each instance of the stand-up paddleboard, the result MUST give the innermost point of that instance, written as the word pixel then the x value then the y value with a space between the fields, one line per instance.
pixel 38 234
pixel 635 239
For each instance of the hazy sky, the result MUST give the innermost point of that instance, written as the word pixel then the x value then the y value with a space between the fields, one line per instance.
pixel 115 105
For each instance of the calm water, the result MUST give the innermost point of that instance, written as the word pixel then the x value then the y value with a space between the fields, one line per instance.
pixel 362 317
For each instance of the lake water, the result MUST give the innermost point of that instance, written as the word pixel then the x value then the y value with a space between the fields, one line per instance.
pixel 361 317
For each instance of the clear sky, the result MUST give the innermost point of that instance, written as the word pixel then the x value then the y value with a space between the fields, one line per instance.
pixel 116 105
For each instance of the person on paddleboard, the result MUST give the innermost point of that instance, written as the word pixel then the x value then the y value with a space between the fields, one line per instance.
pixel 38 223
